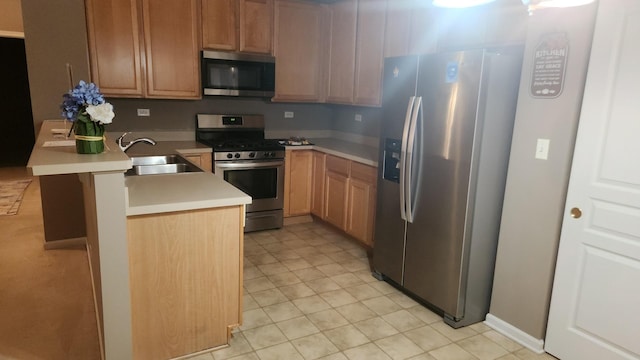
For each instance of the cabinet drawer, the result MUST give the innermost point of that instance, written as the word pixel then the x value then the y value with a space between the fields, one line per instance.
pixel 363 172
pixel 338 165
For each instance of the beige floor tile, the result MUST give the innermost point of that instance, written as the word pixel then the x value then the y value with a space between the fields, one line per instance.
pixel 258 284
pixel 346 337
pixel 480 327
pixel 526 354
pixel 282 311
pixel 363 292
pixel 297 291
pixel 249 356
pixel 283 279
pixel 248 303
pixel 237 346
pixel 327 319
pixel 365 276
pixel 399 347
pixel 482 348
pixel 332 269
pixel 273 268
pixel 356 312
pixel 424 314
pixel 318 259
pixel 355 265
pixel 451 352
pixel 286 255
pixel 251 272
pixel 451 333
pixel 502 340
pixel 311 304
pixel 402 300
pixel 322 285
pixel 297 327
pixel 339 297
pixel 262 259
pixel 347 279
pixel 376 328
pixel 336 356
pixel 309 274
pixel 427 338
pixel 269 297
pixel 296 264
pixel 509 357
pixel 403 320
pixel 381 305
pixel 423 357
pixel 254 318
pixel 341 256
pixel 306 251
pixel 383 287
pixel 279 352
pixel 329 248
pixel 314 346
pixel 368 351
pixel 264 336
pixel 206 356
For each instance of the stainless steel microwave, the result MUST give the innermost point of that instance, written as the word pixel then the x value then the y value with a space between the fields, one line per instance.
pixel 232 74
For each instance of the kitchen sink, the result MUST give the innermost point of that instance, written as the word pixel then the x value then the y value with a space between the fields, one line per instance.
pixel 163 164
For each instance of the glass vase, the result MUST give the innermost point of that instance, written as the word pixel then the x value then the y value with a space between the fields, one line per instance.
pixel 89 137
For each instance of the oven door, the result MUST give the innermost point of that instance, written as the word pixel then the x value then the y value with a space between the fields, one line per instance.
pixel 262 180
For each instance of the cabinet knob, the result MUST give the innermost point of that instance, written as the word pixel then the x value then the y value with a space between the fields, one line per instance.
pixel 576 213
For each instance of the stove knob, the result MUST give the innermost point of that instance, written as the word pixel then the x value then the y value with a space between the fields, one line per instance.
pixel 237 155
pixel 272 154
pixel 229 156
pixel 266 154
pixel 252 155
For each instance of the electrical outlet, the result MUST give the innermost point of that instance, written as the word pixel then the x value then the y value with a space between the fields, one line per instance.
pixel 542 149
pixel 358 117
pixel 288 114
pixel 144 112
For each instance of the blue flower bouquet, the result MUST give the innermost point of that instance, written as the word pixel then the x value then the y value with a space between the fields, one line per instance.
pixel 86 108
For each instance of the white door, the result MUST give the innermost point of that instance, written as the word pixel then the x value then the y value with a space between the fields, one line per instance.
pixel 595 306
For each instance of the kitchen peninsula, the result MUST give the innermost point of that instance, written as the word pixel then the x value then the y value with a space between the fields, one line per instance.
pixel 165 251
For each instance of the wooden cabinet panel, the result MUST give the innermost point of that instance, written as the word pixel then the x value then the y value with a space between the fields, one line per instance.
pixel 300 171
pixel 219 24
pixel 369 53
pixel 336 191
pixel 342 51
pixel 203 160
pixel 317 184
pixel 423 37
pixel 172 48
pixel 397 28
pixel 361 209
pixel 256 26
pixel 299 51
pixel 185 279
pixel 338 165
pixel 114 46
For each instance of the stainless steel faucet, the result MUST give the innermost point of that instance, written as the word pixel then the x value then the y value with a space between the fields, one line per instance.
pixel 125 146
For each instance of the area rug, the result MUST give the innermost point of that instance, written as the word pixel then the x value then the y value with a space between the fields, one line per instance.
pixel 11 193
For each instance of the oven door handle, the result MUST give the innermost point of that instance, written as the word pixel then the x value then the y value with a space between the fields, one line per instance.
pixel 248 164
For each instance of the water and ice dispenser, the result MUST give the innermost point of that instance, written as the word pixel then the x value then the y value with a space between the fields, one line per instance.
pixel 391 166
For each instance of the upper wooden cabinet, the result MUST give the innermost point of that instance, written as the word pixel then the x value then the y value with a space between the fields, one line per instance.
pixel 356 52
pixel 299 50
pixel 245 25
pixel 145 48
pixel 411 28
pixel 342 51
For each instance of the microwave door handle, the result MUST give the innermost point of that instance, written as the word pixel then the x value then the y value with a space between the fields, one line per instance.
pixel 403 157
pixel 410 193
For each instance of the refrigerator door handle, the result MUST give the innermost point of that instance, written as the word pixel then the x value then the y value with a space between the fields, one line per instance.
pixel 403 157
pixel 417 106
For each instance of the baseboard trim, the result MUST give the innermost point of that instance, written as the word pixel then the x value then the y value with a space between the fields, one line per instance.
pixel 66 243
pixel 515 334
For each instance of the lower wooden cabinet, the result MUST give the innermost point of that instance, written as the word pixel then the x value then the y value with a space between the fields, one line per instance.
pixel 297 184
pixel 336 190
pixel 361 202
pixel 317 184
pixel 203 160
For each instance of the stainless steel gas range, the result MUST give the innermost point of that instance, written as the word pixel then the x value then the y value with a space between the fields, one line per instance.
pixel 245 159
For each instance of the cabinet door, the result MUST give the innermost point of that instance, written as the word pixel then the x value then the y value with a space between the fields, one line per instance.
pixel 256 26
pixel 317 184
pixel 335 211
pixel 423 37
pixel 114 47
pixel 369 53
pixel 219 24
pixel 299 51
pixel 397 28
pixel 172 47
pixel 361 202
pixel 300 182
pixel 342 53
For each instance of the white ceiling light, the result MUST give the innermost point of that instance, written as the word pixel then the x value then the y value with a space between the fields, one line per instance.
pixel 541 4
pixel 459 3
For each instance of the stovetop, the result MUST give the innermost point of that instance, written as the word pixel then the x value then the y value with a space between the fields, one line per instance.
pixel 244 145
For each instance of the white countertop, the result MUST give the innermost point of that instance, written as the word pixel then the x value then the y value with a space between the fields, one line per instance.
pixel 62 158
pixel 168 147
pixel 364 154
pixel 150 194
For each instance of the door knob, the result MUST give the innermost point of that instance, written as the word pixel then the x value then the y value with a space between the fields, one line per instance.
pixel 576 213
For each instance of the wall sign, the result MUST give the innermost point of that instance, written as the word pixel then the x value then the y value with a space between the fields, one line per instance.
pixel 549 65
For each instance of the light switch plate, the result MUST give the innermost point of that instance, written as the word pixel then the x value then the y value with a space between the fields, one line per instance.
pixel 358 117
pixel 542 149
pixel 288 114
pixel 144 112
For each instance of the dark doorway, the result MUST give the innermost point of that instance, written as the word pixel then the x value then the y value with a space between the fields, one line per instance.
pixel 16 121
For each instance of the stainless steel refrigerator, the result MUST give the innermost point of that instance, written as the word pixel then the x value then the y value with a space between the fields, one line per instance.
pixel 444 150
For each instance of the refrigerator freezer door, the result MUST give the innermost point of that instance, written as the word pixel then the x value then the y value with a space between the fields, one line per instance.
pixel 449 85
pixel 400 80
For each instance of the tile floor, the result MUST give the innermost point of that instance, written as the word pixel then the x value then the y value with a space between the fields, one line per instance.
pixel 309 294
